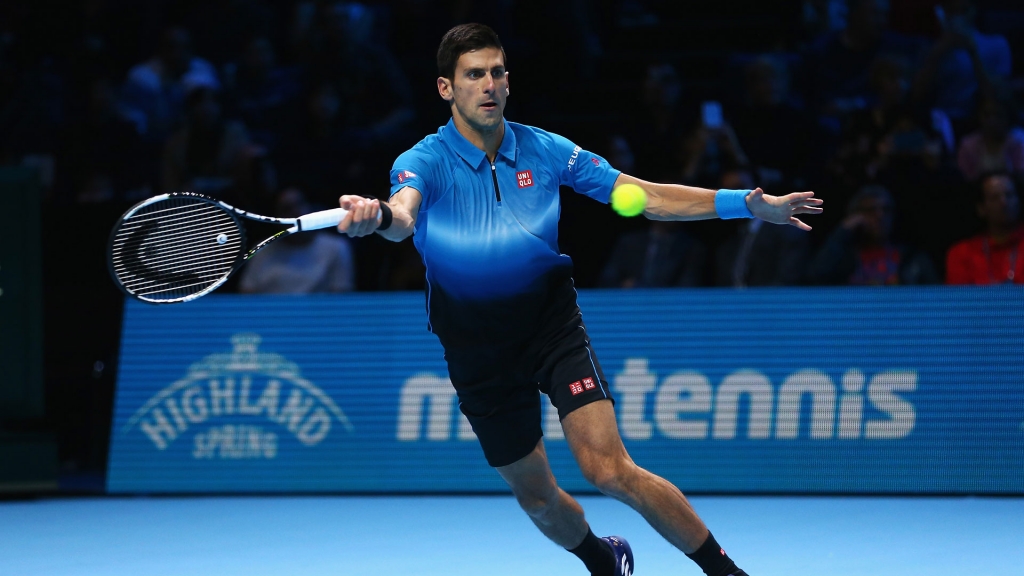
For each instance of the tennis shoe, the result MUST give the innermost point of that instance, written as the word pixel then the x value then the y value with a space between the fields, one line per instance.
pixel 623 555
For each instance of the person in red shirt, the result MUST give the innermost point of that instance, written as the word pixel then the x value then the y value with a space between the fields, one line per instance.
pixel 997 255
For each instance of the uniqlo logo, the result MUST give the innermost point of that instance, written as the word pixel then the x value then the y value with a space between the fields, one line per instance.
pixel 576 388
pixel 405 175
pixel 595 161
pixel 588 384
pixel 525 178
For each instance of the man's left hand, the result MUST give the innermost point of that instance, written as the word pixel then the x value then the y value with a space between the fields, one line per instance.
pixel 783 209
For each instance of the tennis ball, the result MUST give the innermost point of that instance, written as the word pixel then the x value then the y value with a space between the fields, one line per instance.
pixel 629 200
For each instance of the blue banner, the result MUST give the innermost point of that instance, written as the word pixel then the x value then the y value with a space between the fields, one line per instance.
pixel 896 390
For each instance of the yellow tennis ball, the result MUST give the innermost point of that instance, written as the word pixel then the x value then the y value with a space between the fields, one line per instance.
pixel 629 200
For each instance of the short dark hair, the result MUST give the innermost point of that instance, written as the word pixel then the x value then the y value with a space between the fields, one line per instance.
pixel 979 184
pixel 868 192
pixel 461 39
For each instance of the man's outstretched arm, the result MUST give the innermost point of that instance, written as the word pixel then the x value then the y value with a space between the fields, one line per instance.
pixel 678 202
pixel 365 216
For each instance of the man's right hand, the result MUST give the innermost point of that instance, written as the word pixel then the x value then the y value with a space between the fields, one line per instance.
pixel 363 216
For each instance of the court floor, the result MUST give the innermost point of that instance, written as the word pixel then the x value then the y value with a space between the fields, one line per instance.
pixel 433 536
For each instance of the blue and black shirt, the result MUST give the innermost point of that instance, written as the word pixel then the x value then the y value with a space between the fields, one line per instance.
pixel 488 232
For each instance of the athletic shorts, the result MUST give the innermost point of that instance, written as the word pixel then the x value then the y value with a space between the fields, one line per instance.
pixel 499 387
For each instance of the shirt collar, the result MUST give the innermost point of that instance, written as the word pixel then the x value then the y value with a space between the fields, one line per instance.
pixel 473 155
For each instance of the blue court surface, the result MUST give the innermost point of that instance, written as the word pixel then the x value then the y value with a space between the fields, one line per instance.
pixel 312 536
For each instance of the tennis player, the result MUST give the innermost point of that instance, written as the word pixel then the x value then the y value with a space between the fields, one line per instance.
pixel 480 199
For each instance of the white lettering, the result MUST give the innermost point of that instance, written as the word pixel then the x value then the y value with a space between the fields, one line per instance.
pixel 179 420
pixel 758 389
pixel 315 428
pixel 414 394
pixel 851 406
pixel 632 386
pixel 465 428
pixel 222 400
pixel 244 407
pixel 157 430
pixel 575 155
pixel 823 405
pixel 833 414
pixel 683 392
pixel 193 404
pixel 552 425
pixel 269 399
pixel 882 393
pixel 295 410
pixel 231 442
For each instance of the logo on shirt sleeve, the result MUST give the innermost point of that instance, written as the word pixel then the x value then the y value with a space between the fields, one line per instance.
pixel 575 155
pixel 576 388
pixel 588 384
pixel 405 175
pixel 595 161
pixel 525 178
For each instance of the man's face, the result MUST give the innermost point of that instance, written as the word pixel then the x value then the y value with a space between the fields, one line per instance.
pixel 661 86
pixel 479 89
pixel 877 213
pixel 1000 205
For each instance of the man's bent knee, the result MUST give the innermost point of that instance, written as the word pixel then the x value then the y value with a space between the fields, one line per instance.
pixel 537 503
pixel 613 477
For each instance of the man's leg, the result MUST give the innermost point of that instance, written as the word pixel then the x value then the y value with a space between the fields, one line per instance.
pixel 593 436
pixel 554 512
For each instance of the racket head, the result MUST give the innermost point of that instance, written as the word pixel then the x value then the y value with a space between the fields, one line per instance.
pixel 175 247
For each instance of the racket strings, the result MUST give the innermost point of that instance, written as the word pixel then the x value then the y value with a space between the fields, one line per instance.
pixel 166 225
pixel 175 248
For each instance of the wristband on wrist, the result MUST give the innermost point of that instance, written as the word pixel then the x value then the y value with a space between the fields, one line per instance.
pixel 732 204
pixel 385 217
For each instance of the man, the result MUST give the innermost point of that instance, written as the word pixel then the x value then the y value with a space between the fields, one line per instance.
pixel 481 199
pixel 993 257
pixel 300 263
pixel 862 250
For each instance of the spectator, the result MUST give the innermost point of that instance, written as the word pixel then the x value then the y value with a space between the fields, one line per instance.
pixel 862 252
pixel 317 152
pixel 997 145
pixel 994 256
pixel 659 123
pixel 208 154
pixel 894 130
pixel 374 96
pixel 709 152
pixel 962 64
pixel 300 263
pixel 664 255
pixel 154 92
pixel 101 159
pixel 838 62
pixel 772 131
pixel 262 91
pixel 759 255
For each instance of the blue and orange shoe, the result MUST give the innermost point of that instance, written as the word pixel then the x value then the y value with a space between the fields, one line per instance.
pixel 623 555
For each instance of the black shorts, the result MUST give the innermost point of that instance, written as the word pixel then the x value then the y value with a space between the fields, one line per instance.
pixel 499 387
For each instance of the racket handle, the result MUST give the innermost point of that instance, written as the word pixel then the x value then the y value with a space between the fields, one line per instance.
pixel 322 219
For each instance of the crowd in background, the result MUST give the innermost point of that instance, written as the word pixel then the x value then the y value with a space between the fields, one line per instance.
pixel 902 115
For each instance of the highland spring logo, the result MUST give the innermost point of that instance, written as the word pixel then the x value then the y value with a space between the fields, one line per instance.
pixel 236 395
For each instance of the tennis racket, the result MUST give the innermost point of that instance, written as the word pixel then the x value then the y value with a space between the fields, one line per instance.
pixel 180 246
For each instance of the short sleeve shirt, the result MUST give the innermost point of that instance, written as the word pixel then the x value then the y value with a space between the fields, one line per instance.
pixel 488 232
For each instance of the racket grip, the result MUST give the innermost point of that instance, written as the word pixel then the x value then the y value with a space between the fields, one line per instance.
pixel 322 219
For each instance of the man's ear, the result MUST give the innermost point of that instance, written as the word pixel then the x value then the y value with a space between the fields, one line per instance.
pixel 507 90
pixel 445 89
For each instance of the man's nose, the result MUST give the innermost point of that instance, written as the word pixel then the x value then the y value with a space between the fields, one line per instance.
pixel 490 86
